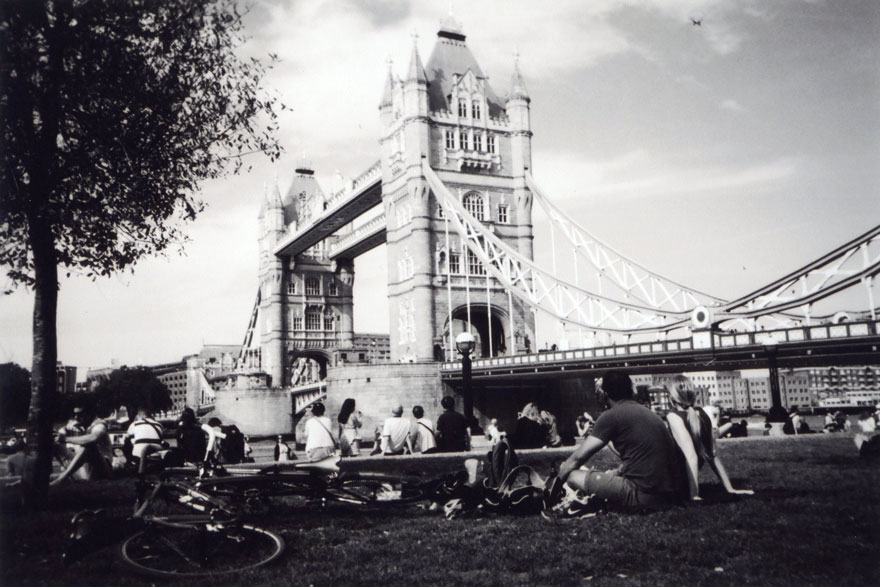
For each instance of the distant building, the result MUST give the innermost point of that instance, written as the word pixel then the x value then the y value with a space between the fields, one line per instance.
pixel 65 378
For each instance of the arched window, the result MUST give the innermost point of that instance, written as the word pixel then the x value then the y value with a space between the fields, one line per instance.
pixel 462 107
pixel 473 203
pixel 475 110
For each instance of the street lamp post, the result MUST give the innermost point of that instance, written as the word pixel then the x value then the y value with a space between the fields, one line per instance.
pixel 465 344
pixel 777 415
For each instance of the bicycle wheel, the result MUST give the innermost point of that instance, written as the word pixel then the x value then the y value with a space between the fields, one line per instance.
pixel 375 489
pixel 199 550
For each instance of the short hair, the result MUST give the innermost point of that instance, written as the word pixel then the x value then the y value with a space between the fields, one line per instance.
pixel 318 409
pixel 397 410
pixel 418 411
pixel 214 422
pixel 448 402
pixel 617 385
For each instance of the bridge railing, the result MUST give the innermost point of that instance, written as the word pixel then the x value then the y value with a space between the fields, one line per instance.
pixel 721 340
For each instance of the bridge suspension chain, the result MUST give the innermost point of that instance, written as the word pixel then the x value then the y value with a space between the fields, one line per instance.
pixel 538 288
pixel 632 279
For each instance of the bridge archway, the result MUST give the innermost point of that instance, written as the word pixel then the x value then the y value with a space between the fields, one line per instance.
pixel 489 327
pixel 307 366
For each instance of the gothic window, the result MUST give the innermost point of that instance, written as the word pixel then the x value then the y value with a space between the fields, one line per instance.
pixel 473 203
pixel 291 286
pixel 475 266
pixel 475 110
pixel 313 319
pixel 450 140
pixel 491 144
pixel 502 214
pixel 462 107
pixel 297 323
pixel 313 286
pixel 333 288
pixel 328 320
pixel 481 142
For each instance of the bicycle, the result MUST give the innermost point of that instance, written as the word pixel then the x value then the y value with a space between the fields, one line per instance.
pixel 320 483
pixel 184 533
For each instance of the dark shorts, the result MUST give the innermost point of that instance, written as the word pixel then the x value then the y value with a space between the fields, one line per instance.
pixel 608 485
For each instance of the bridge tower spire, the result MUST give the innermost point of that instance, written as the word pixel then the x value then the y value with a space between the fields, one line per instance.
pixel 448 116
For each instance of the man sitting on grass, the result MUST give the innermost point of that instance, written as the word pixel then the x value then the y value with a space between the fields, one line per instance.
pixel 92 452
pixel 649 473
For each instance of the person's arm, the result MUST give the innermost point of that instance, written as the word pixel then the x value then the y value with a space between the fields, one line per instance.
pixel 95 434
pixel 684 441
pixel 409 445
pixel 581 455
pixel 718 468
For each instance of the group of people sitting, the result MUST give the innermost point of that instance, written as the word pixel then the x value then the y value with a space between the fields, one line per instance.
pixel 399 435
pixel 535 429
pixel 660 460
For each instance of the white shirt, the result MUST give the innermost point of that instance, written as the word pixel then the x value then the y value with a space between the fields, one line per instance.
pixel 423 435
pixel 144 432
pixel 317 431
pixel 394 433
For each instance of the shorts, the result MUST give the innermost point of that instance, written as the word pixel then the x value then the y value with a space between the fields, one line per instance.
pixel 615 488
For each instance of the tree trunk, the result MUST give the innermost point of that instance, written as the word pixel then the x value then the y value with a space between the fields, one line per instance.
pixel 41 416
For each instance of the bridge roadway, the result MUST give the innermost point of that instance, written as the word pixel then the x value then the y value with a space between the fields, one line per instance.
pixel 852 343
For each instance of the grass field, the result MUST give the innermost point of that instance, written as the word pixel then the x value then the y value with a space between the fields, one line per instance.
pixel 814 520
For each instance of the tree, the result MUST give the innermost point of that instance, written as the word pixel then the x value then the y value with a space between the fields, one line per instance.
pixel 134 388
pixel 113 113
pixel 15 394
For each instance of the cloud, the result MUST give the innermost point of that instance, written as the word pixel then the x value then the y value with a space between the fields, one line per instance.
pixel 731 105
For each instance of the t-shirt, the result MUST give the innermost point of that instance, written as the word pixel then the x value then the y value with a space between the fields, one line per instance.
pixel 144 432
pixel 452 432
pixel 528 434
pixel 317 433
pixel 396 429
pixel 423 435
pixel 645 446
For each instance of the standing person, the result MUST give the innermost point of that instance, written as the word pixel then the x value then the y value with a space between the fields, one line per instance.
pixel 529 431
pixel 422 432
pixel 692 430
pixel 396 439
pixel 146 437
pixel 350 423
pixel 282 451
pixel 320 442
pixel 92 451
pixel 648 474
pixel 452 432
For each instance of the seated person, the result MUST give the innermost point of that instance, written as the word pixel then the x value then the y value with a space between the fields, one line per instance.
pixel 584 424
pixel 529 431
pixel 320 442
pixel 192 441
pixel 551 434
pixel 396 439
pixel 146 437
pixel 867 442
pixel 422 433
pixel 692 430
pixel 215 434
pixel 92 452
pixel 649 472
pixel 452 432
pixel 493 433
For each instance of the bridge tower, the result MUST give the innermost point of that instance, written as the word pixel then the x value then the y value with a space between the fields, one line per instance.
pixel 306 301
pixel 480 146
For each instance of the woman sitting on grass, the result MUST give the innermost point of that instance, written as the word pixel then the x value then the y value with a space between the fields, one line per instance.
pixel 692 430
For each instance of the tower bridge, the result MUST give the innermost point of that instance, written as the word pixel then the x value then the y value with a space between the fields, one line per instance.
pixel 451 199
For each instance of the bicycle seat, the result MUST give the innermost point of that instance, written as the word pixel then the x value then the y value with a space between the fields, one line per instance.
pixel 328 465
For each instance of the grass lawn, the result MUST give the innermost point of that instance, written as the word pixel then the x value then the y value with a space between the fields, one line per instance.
pixel 814 520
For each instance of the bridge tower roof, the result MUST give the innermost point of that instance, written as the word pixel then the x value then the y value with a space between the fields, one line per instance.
pixel 518 89
pixel 451 56
pixel 304 189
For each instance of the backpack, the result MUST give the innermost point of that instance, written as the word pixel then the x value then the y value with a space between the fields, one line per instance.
pixel 500 461
pixel 232 447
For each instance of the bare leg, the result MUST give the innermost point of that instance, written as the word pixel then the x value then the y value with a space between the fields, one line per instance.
pixel 79 457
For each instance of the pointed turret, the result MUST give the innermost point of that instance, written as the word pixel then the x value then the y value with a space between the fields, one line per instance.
pixel 389 88
pixel 416 73
pixel 518 89
pixel 262 212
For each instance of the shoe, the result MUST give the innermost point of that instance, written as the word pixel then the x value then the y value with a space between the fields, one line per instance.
pixel 583 507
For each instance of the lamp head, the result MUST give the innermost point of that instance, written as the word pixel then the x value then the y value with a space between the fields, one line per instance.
pixel 465 343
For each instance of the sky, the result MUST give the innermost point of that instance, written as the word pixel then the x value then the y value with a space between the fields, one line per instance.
pixel 722 156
